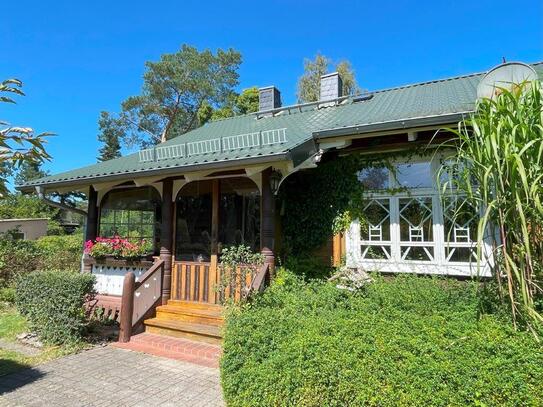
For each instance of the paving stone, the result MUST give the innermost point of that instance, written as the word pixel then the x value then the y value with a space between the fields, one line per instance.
pixel 109 376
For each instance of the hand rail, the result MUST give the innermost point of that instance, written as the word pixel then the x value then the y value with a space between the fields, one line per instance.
pixel 260 279
pixel 157 264
pixel 136 306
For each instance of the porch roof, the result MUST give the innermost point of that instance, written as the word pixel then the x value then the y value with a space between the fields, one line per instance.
pixel 288 134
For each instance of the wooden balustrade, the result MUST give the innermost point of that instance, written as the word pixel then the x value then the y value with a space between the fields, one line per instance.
pixel 139 299
pixel 204 282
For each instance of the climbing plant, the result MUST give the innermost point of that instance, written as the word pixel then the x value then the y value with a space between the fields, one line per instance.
pixel 318 203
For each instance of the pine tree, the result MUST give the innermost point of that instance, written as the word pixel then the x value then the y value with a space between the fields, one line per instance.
pixel 110 135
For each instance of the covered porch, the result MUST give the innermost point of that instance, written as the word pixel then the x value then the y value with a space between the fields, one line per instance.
pixel 188 219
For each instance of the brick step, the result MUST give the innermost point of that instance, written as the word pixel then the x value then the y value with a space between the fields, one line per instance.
pixel 190 314
pixel 182 329
pixel 174 348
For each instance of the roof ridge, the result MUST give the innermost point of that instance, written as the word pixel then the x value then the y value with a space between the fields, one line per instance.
pixel 451 78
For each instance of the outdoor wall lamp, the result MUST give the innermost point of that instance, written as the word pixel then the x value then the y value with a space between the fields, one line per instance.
pixel 275 180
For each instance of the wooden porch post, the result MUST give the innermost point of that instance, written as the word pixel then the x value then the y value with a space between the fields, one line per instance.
pixel 92 215
pixel 91 229
pixel 213 277
pixel 267 224
pixel 166 238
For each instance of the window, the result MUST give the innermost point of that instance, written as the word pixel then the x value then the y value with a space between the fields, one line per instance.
pixel 412 229
pixel 193 222
pixel 239 213
pixel 374 178
pixel 415 175
pixel 131 213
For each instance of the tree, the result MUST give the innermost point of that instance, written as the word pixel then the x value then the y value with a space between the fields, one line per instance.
pixel 174 89
pixel 18 145
pixel 309 82
pixel 110 135
pixel 29 171
pixel 245 102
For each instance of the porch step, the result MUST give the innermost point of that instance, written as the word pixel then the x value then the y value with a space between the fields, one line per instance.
pixel 174 348
pixel 183 329
pixel 196 305
pixel 189 313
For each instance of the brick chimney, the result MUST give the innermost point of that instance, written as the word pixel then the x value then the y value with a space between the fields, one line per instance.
pixel 269 98
pixel 331 87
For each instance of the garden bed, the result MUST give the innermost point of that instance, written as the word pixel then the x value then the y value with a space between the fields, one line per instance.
pixel 401 341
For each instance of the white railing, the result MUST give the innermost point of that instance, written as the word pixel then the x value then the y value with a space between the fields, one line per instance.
pixel 259 139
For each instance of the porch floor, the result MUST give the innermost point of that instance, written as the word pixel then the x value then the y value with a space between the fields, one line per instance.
pixel 197 352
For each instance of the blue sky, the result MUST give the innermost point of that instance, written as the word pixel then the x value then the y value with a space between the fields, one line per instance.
pixel 78 58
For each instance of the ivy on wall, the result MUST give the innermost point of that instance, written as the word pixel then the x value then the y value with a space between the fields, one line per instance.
pixel 318 203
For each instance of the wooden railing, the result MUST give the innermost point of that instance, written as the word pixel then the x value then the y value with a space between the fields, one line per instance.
pixel 205 282
pixel 261 279
pixel 140 299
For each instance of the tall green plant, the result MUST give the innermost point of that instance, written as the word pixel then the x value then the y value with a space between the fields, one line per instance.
pixel 499 168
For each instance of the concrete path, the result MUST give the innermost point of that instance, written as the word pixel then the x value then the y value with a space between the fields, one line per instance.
pixel 112 377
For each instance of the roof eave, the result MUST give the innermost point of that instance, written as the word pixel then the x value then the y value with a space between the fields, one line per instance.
pixel 161 171
pixel 393 125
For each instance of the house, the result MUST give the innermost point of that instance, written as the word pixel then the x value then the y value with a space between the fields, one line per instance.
pixel 216 186
pixel 24 229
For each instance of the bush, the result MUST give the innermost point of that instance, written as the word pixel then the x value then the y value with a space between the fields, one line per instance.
pixel 7 294
pixel 53 302
pixel 402 341
pixel 308 267
pixel 60 252
pixel 46 253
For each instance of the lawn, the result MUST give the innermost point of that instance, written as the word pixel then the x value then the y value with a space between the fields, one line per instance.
pixel 12 324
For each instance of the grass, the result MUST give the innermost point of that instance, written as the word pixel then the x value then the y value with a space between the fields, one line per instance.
pixel 11 325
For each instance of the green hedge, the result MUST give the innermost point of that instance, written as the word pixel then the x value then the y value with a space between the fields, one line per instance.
pixel 405 341
pixel 46 253
pixel 53 302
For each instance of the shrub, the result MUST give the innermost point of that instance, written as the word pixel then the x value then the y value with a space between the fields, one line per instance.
pixel 17 256
pixel 7 294
pixel 402 341
pixel 308 266
pixel 60 252
pixel 53 302
pixel 46 253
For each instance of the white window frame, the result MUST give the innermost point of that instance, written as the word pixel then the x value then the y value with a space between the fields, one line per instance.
pixel 439 265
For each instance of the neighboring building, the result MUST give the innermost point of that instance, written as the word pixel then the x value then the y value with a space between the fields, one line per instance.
pixel 25 229
pixel 215 185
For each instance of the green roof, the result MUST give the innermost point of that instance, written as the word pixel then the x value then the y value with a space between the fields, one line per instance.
pixel 214 144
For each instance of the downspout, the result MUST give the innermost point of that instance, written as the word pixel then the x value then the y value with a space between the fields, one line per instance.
pixel 41 195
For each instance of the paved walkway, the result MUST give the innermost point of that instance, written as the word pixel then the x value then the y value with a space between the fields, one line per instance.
pixel 112 377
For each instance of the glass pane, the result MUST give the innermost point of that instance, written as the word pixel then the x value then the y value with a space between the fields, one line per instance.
pixel 107 230
pixel 460 220
pixel 416 223
pixel 239 213
pixel 193 222
pixel 415 175
pixel 461 254
pixel 124 212
pixel 376 225
pixel 375 252
pixel 374 178
pixel 417 253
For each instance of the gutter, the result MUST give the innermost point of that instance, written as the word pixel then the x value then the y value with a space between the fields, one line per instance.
pixel 393 125
pixel 41 195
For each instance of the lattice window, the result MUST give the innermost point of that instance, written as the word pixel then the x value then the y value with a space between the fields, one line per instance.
pixel 416 228
pixel 375 231
pixel 460 230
